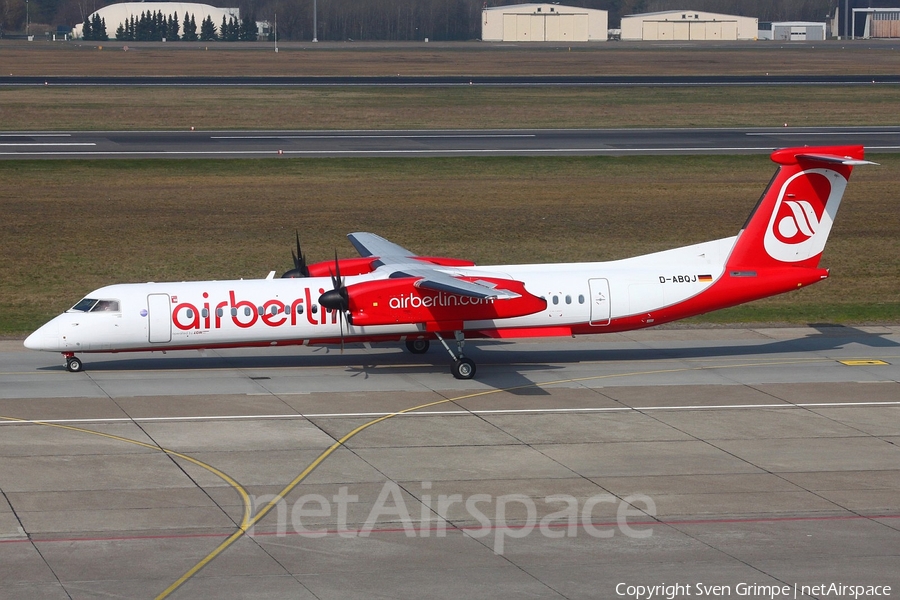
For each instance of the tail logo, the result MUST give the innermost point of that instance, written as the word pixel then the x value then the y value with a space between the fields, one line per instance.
pixel 803 213
pixel 799 224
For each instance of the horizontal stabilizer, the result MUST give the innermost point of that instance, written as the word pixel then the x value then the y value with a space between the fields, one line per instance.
pixel 834 159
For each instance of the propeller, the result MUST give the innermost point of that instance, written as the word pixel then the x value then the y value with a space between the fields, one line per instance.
pixel 337 298
pixel 300 269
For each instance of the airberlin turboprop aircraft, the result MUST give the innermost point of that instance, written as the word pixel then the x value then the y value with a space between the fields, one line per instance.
pixel 393 295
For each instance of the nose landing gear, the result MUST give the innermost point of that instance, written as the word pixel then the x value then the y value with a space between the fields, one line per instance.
pixel 73 363
pixel 462 367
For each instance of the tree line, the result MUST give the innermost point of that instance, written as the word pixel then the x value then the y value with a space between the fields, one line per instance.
pixel 155 27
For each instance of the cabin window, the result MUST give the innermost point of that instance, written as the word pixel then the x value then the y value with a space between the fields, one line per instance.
pixel 204 313
pixel 85 305
pixel 314 308
pixel 220 313
pixel 189 313
pixel 568 299
pixel 233 312
pixel 299 309
pixel 274 310
pixel 580 298
pixel 555 299
pixel 247 311
pixel 260 310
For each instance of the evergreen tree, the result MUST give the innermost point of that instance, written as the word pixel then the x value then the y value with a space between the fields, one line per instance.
pixel 100 34
pixel 208 30
pixel 162 30
pixel 97 28
pixel 86 31
pixel 172 28
pixel 223 30
pixel 190 29
pixel 120 32
pixel 248 29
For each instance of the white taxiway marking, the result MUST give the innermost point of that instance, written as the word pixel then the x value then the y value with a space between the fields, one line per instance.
pixel 47 144
pixel 460 412
pixel 26 134
pixel 367 137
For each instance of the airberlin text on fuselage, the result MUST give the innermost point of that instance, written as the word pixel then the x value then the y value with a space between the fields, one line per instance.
pixel 188 316
pixel 441 300
pixel 245 314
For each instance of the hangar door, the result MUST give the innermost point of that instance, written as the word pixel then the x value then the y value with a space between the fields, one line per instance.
pixel 545 28
pixel 527 28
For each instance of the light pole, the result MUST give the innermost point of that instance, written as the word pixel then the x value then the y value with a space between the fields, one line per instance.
pixel 315 22
pixel 26 19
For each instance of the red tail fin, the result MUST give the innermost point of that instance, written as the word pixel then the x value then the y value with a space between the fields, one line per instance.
pixel 791 222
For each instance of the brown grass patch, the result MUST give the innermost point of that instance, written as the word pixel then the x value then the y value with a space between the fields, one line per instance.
pixel 115 108
pixel 478 58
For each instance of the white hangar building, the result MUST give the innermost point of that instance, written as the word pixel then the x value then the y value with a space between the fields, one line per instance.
pixel 786 31
pixel 117 14
pixel 686 25
pixel 543 23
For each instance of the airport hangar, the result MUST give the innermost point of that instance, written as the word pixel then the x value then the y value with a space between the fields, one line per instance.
pixel 688 25
pixel 543 23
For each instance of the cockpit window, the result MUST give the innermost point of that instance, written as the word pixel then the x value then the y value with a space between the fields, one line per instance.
pixel 106 306
pixel 94 305
pixel 85 305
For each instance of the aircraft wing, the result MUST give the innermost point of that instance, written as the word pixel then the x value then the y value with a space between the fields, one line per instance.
pixel 401 263
pixel 369 244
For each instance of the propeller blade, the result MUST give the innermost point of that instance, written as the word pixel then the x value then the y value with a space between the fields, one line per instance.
pixel 300 268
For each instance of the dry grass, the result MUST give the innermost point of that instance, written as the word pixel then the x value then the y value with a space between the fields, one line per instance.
pixel 466 107
pixel 70 227
pixel 367 59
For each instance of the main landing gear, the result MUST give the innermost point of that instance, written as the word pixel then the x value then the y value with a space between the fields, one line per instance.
pixel 73 363
pixel 462 368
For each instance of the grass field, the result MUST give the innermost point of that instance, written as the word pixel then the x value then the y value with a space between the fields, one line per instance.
pixel 117 108
pixel 451 58
pixel 72 226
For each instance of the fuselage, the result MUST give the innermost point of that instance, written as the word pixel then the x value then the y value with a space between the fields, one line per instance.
pixel 580 298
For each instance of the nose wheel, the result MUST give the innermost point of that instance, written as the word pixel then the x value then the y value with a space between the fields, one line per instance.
pixel 73 363
pixel 462 368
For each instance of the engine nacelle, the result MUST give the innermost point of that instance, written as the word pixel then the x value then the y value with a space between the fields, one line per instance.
pixel 392 301
pixel 347 266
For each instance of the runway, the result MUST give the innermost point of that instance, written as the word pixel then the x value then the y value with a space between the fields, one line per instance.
pixel 424 143
pixel 570 468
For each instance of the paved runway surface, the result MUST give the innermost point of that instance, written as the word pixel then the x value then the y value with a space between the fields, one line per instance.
pixel 421 143
pixel 723 457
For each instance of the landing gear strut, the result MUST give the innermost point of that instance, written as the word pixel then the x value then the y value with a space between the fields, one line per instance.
pixel 462 368
pixel 73 363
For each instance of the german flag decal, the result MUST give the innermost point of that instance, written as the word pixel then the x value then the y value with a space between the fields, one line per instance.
pixel 704 277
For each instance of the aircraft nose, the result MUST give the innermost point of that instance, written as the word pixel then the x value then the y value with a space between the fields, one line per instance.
pixel 45 338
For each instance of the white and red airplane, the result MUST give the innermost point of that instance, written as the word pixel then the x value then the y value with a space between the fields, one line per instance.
pixel 393 295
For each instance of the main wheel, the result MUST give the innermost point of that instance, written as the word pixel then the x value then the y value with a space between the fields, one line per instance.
pixel 418 346
pixel 464 368
pixel 74 364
